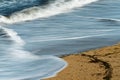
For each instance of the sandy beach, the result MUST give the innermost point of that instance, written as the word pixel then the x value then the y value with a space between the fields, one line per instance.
pixel 98 64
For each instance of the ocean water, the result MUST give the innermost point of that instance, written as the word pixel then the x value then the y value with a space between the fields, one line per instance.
pixel 34 33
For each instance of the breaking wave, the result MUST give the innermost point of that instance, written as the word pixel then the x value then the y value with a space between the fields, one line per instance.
pixel 35 12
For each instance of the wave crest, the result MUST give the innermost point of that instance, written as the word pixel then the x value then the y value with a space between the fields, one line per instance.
pixel 56 7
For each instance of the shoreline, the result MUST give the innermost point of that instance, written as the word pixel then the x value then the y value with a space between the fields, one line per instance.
pixel 98 64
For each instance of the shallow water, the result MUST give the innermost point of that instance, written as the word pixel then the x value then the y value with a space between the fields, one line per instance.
pixel 32 35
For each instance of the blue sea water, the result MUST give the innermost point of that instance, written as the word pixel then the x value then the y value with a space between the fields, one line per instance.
pixel 34 33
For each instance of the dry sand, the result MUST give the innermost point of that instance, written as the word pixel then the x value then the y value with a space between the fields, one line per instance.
pixel 99 64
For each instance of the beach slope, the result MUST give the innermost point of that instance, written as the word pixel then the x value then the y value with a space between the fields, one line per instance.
pixel 99 64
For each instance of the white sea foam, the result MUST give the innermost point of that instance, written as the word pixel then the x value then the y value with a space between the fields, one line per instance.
pixel 57 7
pixel 107 19
pixel 13 36
pixel 16 50
pixel 102 19
pixel 68 38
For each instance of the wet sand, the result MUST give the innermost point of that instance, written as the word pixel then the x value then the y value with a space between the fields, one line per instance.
pixel 99 64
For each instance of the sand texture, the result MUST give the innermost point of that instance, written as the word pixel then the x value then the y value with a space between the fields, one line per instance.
pixel 99 64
